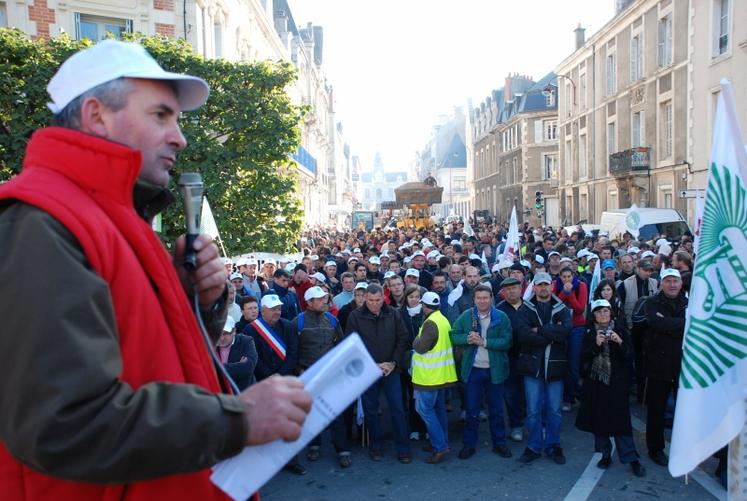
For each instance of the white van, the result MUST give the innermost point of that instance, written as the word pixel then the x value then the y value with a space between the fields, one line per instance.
pixel 654 222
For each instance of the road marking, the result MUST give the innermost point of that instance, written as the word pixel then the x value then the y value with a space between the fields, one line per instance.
pixel 588 480
pixel 708 482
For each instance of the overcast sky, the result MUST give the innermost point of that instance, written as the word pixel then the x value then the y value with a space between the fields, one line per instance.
pixel 396 66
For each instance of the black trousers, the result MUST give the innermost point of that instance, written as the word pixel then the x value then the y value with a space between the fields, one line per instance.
pixel 657 394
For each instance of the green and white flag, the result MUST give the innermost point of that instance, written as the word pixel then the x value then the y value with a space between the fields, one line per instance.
pixel 710 408
pixel 633 221
pixel 596 277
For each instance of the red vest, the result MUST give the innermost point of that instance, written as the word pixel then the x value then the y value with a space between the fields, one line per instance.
pixel 86 183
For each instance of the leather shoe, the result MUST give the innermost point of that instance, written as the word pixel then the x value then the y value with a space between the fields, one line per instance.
pixel 529 455
pixel 502 451
pixel 437 457
pixel 296 468
pixel 638 469
pixel 404 458
pixel 313 454
pixel 604 463
pixel 376 455
pixel 659 458
pixel 345 460
pixel 466 452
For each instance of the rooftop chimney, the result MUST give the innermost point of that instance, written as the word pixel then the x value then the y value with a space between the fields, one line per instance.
pixel 580 37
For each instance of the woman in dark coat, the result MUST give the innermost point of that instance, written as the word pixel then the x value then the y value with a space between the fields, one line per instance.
pixel 413 318
pixel 605 410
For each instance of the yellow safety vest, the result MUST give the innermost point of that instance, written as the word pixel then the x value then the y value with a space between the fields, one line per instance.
pixel 436 367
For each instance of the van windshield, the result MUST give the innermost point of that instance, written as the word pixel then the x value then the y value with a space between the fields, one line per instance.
pixel 673 230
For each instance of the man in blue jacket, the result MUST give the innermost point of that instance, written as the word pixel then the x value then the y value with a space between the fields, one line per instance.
pixel 544 327
pixel 281 281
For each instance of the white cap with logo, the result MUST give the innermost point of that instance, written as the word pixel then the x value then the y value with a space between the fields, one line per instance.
pixel 271 301
pixel 412 272
pixel 431 299
pixel 315 292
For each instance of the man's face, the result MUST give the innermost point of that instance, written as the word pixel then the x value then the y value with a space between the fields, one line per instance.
pixel 418 262
pixel 512 293
pixel 359 297
pixel 348 283
pixel 271 315
pixel 609 273
pixel 483 300
pixel 317 304
pixel 547 245
pixel 360 272
pixel 226 338
pixel 396 285
pixel 471 278
pixel 554 260
pixel 373 267
pixel 517 275
pixel 330 270
pixel 395 267
pixel 242 269
pixel 645 272
pixel 671 287
pixel 626 263
pixel 409 279
pixel 542 291
pixel 300 277
pixel 238 283
pixel 148 123
pixel 250 311
pixel 439 284
pixel 282 281
pixel 374 302
pixel 606 254
pixel 455 273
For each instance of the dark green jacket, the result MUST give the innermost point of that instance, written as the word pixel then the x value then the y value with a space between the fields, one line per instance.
pixel 498 340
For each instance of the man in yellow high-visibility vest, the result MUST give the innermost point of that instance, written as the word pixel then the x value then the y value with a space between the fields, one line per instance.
pixel 433 371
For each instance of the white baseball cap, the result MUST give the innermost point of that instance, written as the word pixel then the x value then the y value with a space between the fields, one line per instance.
pixel 496 267
pixel 553 253
pixel 318 277
pixel 582 253
pixel 388 275
pixel 600 303
pixel 412 272
pixel 417 253
pixel 314 257
pixel 271 301
pixel 539 259
pixel 406 259
pixel 374 260
pixel 647 254
pixel 670 272
pixel 112 59
pixel 361 285
pixel 241 262
pixel 330 263
pixel 236 275
pixel 251 262
pixel 474 256
pixel 230 324
pixel 313 293
pixel 227 260
pixel 633 250
pixel 433 254
pixel 661 241
pixel 431 299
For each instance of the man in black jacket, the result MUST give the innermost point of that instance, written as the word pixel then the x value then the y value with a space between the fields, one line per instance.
pixel 238 355
pixel 385 336
pixel 665 315
pixel 544 326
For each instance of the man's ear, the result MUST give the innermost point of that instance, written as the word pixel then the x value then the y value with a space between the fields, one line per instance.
pixel 93 117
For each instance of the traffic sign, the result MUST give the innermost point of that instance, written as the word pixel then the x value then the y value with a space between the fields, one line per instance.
pixel 690 193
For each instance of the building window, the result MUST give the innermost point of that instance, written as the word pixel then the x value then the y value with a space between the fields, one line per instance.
pixel 612 203
pixel 582 91
pixel 637 129
pixel 611 138
pixel 582 171
pixel 665 40
pixel 667 199
pixel 568 100
pixel 721 18
pixel 636 59
pixel 551 129
pixel 218 34
pixel 665 138
pixel 97 28
pixel 3 16
pixel 568 150
pixel 550 167
pixel 550 99
pixel 514 170
pixel 460 183
pixel 611 74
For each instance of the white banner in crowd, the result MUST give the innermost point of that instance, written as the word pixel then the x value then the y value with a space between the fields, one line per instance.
pixel 511 249
pixel 710 407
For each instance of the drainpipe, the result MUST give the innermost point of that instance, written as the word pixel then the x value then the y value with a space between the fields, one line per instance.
pixel 594 132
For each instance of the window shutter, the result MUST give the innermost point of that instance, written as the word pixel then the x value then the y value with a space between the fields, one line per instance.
pixel 538 131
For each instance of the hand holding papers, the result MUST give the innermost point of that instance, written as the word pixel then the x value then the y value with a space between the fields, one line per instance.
pixel 334 382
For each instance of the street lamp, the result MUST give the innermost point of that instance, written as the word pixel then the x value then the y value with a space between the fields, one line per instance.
pixel 547 91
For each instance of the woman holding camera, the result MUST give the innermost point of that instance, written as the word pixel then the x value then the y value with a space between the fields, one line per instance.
pixel 605 410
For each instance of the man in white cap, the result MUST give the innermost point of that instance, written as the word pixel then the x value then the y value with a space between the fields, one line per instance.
pixel 318 331
pixel 80 215
pixel 433 371
pixel 418 262
pixel 374 272
pixel 252 281
pixel 330 273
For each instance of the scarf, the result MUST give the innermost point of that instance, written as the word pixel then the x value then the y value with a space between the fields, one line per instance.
pixel 601 365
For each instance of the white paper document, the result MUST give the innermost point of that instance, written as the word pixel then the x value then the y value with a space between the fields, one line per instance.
pixel 334 382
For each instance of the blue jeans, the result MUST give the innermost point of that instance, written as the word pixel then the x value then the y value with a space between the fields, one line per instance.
pixel 479 384
pixel 393 391
pixel 625 447
pixel 431 405
pixel 543 399
pixel 514 395
pixel 575 344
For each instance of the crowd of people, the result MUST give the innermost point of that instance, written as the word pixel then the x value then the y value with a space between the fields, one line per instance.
pixel 458 322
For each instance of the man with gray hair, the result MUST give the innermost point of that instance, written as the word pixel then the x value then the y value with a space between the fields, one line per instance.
pixel 123 401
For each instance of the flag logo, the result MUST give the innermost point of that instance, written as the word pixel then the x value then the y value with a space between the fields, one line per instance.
pixel 715 339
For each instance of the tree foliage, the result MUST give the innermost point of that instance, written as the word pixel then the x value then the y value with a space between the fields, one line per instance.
pixel 240 140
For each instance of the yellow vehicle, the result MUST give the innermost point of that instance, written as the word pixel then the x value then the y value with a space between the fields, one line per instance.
pixel 416 200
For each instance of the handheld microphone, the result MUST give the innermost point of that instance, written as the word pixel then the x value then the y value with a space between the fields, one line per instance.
pixel 190 185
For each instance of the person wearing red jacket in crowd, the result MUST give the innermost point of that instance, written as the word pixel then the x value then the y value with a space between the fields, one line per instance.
pixel 300 283
pixel 123 401
pixel 573 292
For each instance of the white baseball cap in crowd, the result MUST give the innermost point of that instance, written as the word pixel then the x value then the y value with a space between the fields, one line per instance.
pixel 455 242
pixel 111 59
pixel 474 256
pixel 374 260
pixel 339 254
pixel 227 260
pixel 417 253
pixel 241 262
pixel 662 241
pixel 496 268
pixel 251 262
pixel 361 285
pixel 329 264
pixel 230 324
pixel 539 259
pixel 552 253
pixel 356 250
pixel 406 259
pixel 647 254
pixel 600 303
pixel 542 278
pixel 412 272
pixel 271 301
pixel 633 250
pixel 590 256
pixel 269 260
pixel 670 272
pixel 352 258
pixel 582 253
pixel 431 299
pixel 506 263
pixel 318 277
pixel 314 257
pixel 313 293
pixel 434 254
pixel 525 263
pixel 388 275
pixel 566 260
pixel 236 275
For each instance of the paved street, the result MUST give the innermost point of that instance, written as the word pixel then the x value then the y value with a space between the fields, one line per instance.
pixel 487 476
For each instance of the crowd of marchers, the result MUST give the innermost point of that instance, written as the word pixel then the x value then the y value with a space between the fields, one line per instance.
pixel 459 322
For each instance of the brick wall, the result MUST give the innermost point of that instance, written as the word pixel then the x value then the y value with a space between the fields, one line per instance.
pixel 43 16
pixel 165 29
pixel 163 5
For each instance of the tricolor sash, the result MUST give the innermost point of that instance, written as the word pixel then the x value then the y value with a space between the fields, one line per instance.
pixel 272 339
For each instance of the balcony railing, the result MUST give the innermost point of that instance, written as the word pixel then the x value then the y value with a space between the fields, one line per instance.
pixel 632 160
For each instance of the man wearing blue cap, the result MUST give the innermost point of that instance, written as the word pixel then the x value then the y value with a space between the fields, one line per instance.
pixel 609 270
